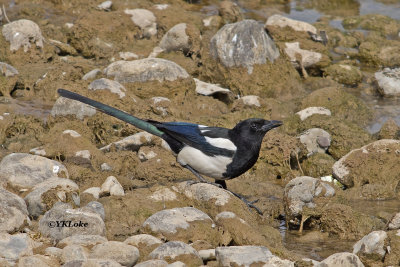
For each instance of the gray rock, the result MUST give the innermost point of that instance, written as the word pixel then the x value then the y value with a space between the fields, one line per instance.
pixel 394 223
pixel 23 32
pixel 39 151
pixel 389 81
pixel 308 58
pixel 72 133
pixel 170 221
pixel 128 55
pixel 163 194
pixel 94 191
pixel 301 191
pixel 145 154
pixel 275 261
pixel 207 254
pixel 297 25
pixel 132 142
pixel 112 186
pixel 92 263
pixel 26 170
pixel 62 221
pixel 106 84
pixel 120 252
pixel 145 19
pixel 142 239
pixel 91 74
pixel 106 6
pixel 74 253
pixel 242 255
pixel 37 261
pixel 205 192
pixel 174 250
pixel 12 247
pixel 251 100
pixel 177 264
pixel 96 207
pixel 372 245
pixel 244 44
pixel 143 70
pixel 176 39
pixel 65 106
pixel 82 240
pixel 13 212
pixel 105 167
pixel 8 70
pixel 160 105
pixel 61 187
pixel 53 251
pixel 307 112
pixel 152 263
pixel 316 140
pixel 343 259
pixel 209 89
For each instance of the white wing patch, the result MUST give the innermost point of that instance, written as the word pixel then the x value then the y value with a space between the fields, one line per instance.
pixel 211 166
pixel 221 143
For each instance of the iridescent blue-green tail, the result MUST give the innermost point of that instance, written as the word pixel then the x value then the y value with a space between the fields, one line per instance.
pixel 139 123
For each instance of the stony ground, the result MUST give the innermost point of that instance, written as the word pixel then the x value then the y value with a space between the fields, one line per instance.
pixel 80 188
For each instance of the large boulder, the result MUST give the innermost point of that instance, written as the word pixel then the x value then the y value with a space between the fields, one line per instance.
pixel 13 212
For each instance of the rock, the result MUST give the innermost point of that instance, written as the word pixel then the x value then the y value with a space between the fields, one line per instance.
pixel 132 142
pixel 316 140
pixel 371 246
pixel 26 170
pixel 182 224
pixel 177 264
pixel 74 253
pixel 91 74
pixel 65 106
pixel 275 261
pixel 208 89
pixel 207 254
pixel 62 221
pixel 22 32
pixel 82 240
pixel 112 186
pixel 161 6
pixel 307 112
pixel 176 39
pixel 13 212
pixel 143 70
pixel 366 168
pixel 94 191
pixel 230 12
pixel 112 86
pixel 389 130
pixel 122 253
pixel 13 247
pixel 84 154
pixel 242 255
pixel 343 259
pixel 96 207
pixel 105 167
pixel 128 55
pixel 39 151
pixel 301 191
pixel 206 192
pixel 243 44
pixel 8 70
pixel 37 261
pixel 251 100
pixel 145 243
pixel 92 263
pixel 146 153
pixel 145 19
pixel 45 194
pixel 164 194
pixel 345 74
pixel 152 263
pixel 53 251
pixel 177 251
pixel 63 48
pixel 106 6
pixel 160 105
pixel 394 223
pixel 281 21
pixel 388 81
pixel 308 58
pixel 72 133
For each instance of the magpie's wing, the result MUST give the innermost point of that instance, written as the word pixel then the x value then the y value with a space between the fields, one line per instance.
pixel 194 135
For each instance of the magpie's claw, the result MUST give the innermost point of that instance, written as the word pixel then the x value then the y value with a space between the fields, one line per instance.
pixel 192 182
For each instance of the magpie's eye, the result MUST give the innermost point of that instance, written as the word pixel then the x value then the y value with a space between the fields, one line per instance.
pixel 253 126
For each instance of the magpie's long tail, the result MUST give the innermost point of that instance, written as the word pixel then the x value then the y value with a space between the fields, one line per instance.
pixel 139 123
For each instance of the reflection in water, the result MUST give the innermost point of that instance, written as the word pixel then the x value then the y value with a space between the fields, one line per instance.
pixel 35 108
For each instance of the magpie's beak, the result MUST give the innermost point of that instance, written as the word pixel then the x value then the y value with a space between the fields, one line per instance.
pixel 270 125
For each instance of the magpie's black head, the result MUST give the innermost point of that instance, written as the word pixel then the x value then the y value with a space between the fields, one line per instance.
pixel 255 127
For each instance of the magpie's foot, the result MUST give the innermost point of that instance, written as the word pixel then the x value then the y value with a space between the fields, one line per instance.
pixel 248 203
pixel 192 182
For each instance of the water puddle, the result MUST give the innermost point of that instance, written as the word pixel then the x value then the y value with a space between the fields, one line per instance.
pixel 34 108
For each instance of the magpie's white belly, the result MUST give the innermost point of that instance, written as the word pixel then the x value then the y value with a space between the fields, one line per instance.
pixel 211 166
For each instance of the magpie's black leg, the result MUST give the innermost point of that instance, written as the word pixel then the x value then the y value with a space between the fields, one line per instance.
pixel 202 180
pixel 221 182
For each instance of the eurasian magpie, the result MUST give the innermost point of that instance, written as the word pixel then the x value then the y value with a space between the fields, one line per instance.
pixel 216 152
